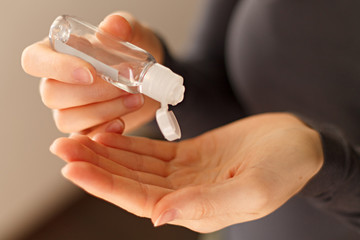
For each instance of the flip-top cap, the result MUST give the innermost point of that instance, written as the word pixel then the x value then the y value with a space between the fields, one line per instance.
pixel 168 124
pixel 163 85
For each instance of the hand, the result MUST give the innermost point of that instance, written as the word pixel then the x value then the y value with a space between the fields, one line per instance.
pixel 80 100
pixel 237 173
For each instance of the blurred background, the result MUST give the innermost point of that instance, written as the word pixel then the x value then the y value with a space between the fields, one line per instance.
pixel 36 202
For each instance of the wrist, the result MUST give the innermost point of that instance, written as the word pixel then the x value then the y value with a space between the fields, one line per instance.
pixel 317 163
pixel 313 145
pixel 318 160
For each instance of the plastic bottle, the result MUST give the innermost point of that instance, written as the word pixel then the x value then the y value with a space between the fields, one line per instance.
pixel 123 65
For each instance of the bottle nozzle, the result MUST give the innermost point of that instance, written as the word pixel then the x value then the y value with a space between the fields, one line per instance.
pixel 163 85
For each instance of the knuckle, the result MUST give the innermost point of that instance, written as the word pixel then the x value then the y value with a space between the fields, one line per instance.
pixel 102 117
pixel 207 207
pixel 46 94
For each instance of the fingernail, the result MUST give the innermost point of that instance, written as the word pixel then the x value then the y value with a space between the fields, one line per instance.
pixel 101 23
pixel 52 147
pixel 166 217
pixel 83 75
pixel 133 100
pixel 74 134
pixel 115 126
pixel 129 20
pixel 65 170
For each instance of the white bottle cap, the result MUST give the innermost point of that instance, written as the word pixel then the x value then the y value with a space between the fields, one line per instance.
pixel 168 124
pixel 163 85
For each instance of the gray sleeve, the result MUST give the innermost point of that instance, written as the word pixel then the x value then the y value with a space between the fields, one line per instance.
pixel 336 188
pixel 209 100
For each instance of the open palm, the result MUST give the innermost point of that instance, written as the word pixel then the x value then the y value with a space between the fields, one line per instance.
pixel 236 173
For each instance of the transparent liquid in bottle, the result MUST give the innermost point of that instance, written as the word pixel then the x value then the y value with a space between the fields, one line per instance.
pixel 120 63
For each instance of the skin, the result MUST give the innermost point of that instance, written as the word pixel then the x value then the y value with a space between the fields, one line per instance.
pixel 81 101
pixel 237 173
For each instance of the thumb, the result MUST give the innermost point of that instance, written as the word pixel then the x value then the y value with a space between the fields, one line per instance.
pixel 113 126
pixel 120 25
pixel 211 207
pixel 125 26
pixel 193 207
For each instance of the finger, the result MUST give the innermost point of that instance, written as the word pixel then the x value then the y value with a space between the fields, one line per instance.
pixel 118 25
pixel 41 61
pixel 128 194
pixel 158 149
pixel 133 161
pixel 71 150
pixel 142 116
pixel 125 26
pixel 113 126
pixel 59 95
pixel 83 117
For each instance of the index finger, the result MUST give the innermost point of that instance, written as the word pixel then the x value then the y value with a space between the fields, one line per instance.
pixel 163 150
pixel 40 60
pixel 134 196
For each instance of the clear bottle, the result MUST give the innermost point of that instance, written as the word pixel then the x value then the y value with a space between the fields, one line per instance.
pixel 122 64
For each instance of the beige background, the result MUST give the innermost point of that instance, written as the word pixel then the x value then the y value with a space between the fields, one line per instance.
pixel 31 186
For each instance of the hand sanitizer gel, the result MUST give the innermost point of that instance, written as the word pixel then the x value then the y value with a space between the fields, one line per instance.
pixel 123 65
